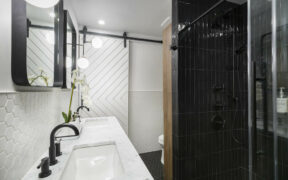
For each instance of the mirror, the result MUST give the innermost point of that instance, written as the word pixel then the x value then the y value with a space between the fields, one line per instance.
pixel 37 44
pixel 40 46
pixel 69 49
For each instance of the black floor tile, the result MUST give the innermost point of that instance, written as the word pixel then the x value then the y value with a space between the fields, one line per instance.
pixel 153 162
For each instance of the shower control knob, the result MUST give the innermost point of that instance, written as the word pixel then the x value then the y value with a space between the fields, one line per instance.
pixel 44 165
pixel 58 149
pixel 218 122
pixel 173 47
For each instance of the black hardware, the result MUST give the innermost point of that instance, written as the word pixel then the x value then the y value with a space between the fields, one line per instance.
pixel 19 43
pixel 218 122
pixel 84 39
pixel 241 49
pixel 58 149
pixel 125 39
pixel 44 165
pixel 52 148
pixel 202 15
pixel 173 47
pixel 218 88
pixel 81 107
pixel 20 31
pixel 119 36
pixel 84 31
pixel 59 42
pixel 41 27
pixel 60 137
pixel 28 26
pixel 235 99
pixel 219 106
pixel 68 22
pixel 76 114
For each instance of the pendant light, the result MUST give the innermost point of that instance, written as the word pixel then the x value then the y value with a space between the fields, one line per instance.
pixel 68 62
pixel 43 3
pixel 97 43
pixel 83 62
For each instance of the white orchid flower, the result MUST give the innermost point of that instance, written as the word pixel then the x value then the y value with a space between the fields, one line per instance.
pixel 74 75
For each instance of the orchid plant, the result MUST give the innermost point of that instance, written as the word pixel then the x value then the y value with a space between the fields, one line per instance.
pixel 84 90
pixel 43 75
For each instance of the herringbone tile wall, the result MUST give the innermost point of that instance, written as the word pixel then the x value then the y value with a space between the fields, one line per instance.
pixel 40 55
pixel 108 77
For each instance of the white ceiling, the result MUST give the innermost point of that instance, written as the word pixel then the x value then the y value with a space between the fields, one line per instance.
pixel 133 16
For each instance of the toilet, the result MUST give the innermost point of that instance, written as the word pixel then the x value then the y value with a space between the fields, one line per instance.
pixel 161 142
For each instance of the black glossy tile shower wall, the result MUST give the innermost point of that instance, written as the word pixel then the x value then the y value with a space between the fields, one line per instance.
pixel 210 96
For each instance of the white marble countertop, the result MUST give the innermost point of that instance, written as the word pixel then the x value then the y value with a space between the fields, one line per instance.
pixel 111 133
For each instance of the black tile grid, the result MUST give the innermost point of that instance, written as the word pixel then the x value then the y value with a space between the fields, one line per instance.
pixel 202 64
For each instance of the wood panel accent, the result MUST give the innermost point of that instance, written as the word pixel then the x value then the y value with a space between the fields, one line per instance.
pixel 167 103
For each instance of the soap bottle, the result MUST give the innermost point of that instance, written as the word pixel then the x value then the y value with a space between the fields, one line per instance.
pixel 282 102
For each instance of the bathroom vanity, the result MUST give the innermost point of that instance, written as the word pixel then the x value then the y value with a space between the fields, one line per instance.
pixel 102 151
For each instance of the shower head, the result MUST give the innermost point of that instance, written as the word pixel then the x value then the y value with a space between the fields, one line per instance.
pixel 216 26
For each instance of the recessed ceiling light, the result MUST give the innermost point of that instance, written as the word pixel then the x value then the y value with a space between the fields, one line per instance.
pixel 101 22
pixel 52 14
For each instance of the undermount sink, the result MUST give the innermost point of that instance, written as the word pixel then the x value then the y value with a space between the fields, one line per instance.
pixel 99 162
pixel 96 122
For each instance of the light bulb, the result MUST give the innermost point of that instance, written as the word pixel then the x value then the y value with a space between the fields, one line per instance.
pixel 43 3
pixel 101 22
pixel 52 14
pixel 50 37
pixel 68 62
pixel 97 42
pixel 83 63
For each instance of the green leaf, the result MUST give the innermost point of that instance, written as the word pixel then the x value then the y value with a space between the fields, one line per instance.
pixel 65 117
pixel 69 116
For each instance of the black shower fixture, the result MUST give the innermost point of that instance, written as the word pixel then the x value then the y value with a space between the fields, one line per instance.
pixel 218 122
pixel 242 49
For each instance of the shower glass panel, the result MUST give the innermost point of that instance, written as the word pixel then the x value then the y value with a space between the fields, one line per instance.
pixel 268 110
pixel 261 156
pixel 280 14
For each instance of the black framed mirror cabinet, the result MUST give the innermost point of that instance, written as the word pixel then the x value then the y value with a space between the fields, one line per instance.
pixel 70 46
pixel 42 39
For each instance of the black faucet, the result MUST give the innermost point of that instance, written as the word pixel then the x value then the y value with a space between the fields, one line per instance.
pixel 76 114
pixel 44 165
pixel 52 148
pixel 81 107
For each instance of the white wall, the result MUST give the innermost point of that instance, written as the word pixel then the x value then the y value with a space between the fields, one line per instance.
pixel 145 96
pixel 6 83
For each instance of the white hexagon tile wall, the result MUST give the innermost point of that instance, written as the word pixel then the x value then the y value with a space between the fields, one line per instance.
pixel 26 120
